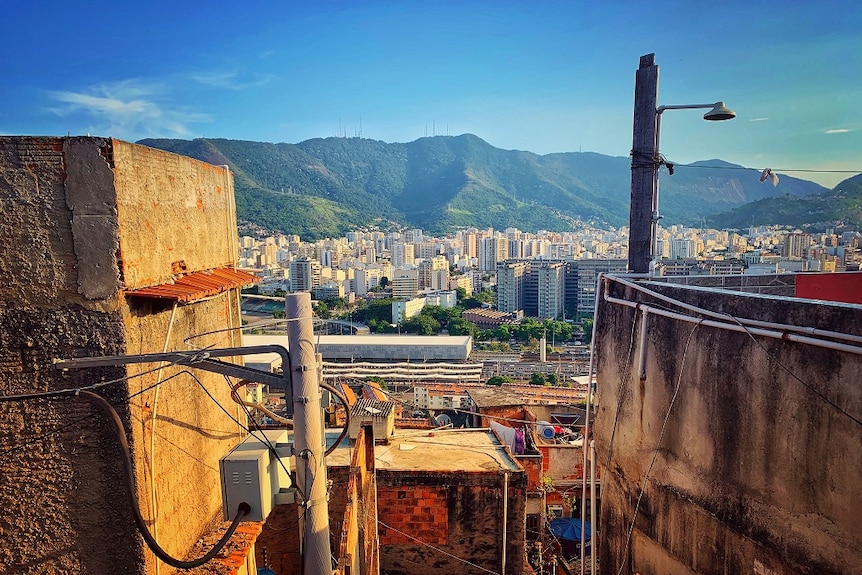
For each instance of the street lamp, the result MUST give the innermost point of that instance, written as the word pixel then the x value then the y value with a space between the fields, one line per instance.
pixel 646 160
pixel 717 112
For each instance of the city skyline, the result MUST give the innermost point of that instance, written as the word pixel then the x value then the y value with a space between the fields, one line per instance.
pixel 554 77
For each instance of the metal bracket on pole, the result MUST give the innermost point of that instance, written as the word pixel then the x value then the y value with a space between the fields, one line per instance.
pixel 199 360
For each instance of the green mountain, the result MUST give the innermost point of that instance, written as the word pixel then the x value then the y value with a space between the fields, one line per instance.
pixel 324 187
pixel 839 208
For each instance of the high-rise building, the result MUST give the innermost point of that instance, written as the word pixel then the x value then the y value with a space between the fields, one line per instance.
pixel 405 284
pixel 796 245
pixel 550 279
pixel 402 255
pixel 511 278
pixel 434 273
pixel 304 274
pixel 586 274
pixel 492 251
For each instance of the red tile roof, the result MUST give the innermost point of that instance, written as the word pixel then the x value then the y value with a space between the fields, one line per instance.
pixel 197 285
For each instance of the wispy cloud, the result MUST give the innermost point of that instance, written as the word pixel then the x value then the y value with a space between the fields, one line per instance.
pixel 231 80
pixel 757 119
pixel 837 131
pixel 128 109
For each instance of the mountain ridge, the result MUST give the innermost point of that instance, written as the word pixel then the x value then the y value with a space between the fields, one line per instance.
pixel 326 186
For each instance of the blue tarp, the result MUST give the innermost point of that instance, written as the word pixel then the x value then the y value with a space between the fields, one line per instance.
pixel 569 528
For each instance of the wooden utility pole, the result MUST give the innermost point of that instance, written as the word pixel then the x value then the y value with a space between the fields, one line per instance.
pixel 309 440
pixel 644 166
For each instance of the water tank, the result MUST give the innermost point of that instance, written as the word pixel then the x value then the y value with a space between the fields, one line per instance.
pixel 545 429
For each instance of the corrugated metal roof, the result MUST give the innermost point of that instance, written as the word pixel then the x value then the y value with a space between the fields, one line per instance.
pixel 372 408
pixel 197 285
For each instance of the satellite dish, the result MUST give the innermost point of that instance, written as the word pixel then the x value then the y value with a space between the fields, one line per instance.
pixel 443 419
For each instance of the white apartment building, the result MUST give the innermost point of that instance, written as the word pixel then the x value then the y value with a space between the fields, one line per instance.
pixel 402 255
pixel 304 274
pixel 511 278
pixel 405 284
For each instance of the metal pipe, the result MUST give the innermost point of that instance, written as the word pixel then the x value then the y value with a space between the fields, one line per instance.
pixel 744 321
pixel 593 521
pixel 643 343
pixel 600 279
pixel 505 518
pixel 308 434
pixel 740 328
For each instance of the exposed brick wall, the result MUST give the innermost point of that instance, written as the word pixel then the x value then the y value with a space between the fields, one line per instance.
pixel 423 512
pixel 473 526
pixel 279 538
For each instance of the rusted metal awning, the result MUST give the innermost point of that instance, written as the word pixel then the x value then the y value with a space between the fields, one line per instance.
pixel 197 285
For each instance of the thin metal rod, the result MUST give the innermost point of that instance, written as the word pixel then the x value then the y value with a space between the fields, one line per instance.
pixel 199 359
pixel 661 109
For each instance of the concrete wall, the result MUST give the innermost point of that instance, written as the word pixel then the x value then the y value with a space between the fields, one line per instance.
pixel 462 515
pixel 63 203
pixel 755 472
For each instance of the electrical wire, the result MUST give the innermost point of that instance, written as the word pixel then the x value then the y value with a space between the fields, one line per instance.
pixel 74 422
pixel 344 431
pixel 807 386
pixel 254 405
pixel 773 169
pixel 621 390
pixel 264 439
pixel 446 553
pixel 658 443
pixel 77 390
pixel 243 508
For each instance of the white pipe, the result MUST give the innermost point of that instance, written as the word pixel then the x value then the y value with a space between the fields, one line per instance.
pixel 505 518
pixel 744 321
pixel 155 526
pixel 741 328
pixel 642 350
pixel 599 282
pixel 593 521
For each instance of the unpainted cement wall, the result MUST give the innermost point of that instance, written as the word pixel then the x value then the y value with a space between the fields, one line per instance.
pixel 181 210
pixel 755 471
pixel 61 485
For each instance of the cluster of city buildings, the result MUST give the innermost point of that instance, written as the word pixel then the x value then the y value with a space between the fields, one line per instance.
pixel 543 275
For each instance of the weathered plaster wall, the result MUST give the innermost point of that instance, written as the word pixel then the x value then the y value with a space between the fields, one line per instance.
pixel 191 431
pixel 755 473
pixel 59 477
pixel 462 515
pixel 193 227
pixel 61 485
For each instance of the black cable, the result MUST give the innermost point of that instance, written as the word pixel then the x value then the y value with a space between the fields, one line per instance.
pixel 74 422
pixel 807 386
pixel 76 390
pixel 337 393
pixel 243 508
pixel 265 440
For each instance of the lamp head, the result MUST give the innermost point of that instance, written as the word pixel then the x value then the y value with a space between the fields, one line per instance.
pixel 719 112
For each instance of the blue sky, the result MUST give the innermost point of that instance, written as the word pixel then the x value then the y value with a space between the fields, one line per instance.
pixel 540 76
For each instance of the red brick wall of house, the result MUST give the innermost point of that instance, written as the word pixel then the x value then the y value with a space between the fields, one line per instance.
pixel 422 512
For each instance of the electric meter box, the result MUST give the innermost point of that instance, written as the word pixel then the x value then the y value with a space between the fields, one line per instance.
pixel 251 472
